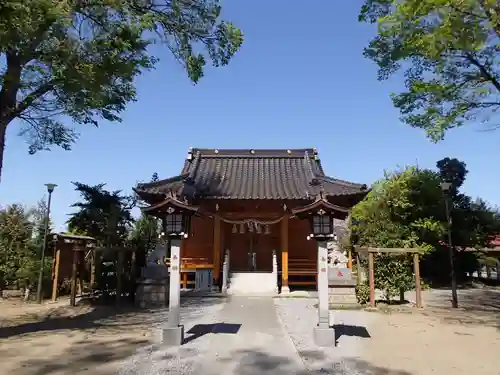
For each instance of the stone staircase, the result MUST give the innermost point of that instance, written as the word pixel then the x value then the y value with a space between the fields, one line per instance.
pixel 253 283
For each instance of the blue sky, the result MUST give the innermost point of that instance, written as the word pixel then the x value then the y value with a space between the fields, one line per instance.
pixel 300 80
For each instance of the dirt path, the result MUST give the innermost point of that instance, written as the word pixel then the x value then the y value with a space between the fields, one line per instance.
pixel 439 339
pixel 54 339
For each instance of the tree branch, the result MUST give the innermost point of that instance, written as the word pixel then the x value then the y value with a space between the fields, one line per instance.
pixel 484 72
pixel 29 99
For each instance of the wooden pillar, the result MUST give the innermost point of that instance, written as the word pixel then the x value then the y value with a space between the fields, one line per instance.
pixel 371 272
pixel 184 280
pixel 359 269
pixel 217 248
pixel 349 259
pixel 418 288
pixel 119 273
pixel 74 269
pixel 55 281
pixel 284 254
pixel 92 271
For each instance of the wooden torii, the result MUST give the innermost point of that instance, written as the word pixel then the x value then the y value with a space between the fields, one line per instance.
pixel 69 255
pixel 371 268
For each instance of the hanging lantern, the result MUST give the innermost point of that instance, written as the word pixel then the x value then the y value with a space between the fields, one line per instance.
pixel 242 228
pixel 258 228
pixel 250 226
pixel 267 229
pixel 235 229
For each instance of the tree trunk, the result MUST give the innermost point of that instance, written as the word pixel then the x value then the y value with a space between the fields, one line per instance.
pixel 401 295
pixel 3 131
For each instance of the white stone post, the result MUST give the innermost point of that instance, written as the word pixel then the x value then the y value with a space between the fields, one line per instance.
pixel 225 272
pixel 275 271
pixel 324 335
pixel 173 333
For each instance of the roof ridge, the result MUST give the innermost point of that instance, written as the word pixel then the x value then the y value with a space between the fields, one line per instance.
pixel 249 152
pixel 163 181
pixel 342 182
pixel 193 167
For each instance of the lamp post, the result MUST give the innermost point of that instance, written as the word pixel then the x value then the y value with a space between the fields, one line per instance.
pixel 322 230
pixel 176 225
pixel 445 187
pixel 39 291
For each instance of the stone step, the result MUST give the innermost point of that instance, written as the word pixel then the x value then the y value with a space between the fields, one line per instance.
pixel 252 283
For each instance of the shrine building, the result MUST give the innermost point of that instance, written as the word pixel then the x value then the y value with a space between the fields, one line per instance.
pixel 248 204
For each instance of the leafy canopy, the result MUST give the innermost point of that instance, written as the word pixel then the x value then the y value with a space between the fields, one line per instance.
pixel 449 51
pixel 19 248
pixel 102 214
pixel 407 209
pixel 79 59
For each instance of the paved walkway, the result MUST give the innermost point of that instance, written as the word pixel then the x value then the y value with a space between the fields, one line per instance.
pixel 249 339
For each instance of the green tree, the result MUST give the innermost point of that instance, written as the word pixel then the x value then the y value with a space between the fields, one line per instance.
pixel 398 212
pixel 19 260
pixel 102 214
pixel 449 52
pixel 407 209
pixel 39 214
pixel 144 236
pixel 78 60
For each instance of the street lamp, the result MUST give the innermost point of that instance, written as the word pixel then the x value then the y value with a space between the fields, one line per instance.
pixel 50 189
pixel 446 187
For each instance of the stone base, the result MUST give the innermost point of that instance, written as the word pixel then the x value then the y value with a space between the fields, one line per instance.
pixel 343 294
pixel 285 290
pixel 152 293
pixel 173 336
pixel 324 336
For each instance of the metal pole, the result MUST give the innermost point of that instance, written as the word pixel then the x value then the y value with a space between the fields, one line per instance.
pixel 454 296
pixel 42 257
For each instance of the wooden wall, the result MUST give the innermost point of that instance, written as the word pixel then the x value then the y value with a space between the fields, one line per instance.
pixel 200 244
pixel 298 245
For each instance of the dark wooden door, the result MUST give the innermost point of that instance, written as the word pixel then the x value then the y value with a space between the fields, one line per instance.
pixel 263 249
pixel 239 247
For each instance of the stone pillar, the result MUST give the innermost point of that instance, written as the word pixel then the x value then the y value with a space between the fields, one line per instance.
pixel 225 272
pixel 275 271
pixel 324 335
pixel 173 333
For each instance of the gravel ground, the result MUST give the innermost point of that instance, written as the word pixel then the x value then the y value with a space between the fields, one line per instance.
pixel 154 359
pixel 402 341
pixel 298 316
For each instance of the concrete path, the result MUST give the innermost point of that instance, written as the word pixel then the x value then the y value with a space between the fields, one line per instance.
pixel 248 338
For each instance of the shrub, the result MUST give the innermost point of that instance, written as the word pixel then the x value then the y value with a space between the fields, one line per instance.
pixel 363 293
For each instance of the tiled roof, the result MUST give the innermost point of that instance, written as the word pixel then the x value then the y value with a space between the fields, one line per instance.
pixel 251 174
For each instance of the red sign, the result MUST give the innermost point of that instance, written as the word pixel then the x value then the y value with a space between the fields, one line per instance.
pixel 340 274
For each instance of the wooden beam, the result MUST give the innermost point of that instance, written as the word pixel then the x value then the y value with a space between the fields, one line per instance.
pixel 388 250
pixel 371 272
pixel 284 252
pixel 72 299
pixel 349 259
pixel 418 288
pixel 55 281
pixel 184 280
pixel 217 249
